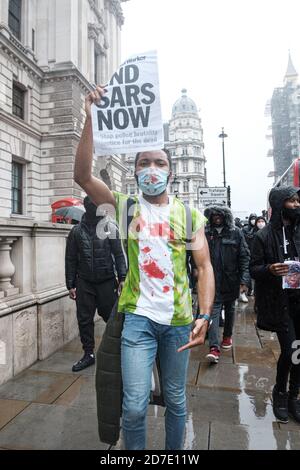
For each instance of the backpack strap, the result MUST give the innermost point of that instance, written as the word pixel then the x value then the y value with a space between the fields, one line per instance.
pixel 126 218
pixel 188 240
pixel 188 223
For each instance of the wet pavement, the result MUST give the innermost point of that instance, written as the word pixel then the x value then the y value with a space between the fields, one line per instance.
pixel 229 404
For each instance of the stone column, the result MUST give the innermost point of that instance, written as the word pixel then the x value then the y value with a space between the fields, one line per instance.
pixel 7 268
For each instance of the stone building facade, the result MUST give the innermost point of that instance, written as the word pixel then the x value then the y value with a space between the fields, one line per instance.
pixel 183 136
pixel 51 54
pixel 184 140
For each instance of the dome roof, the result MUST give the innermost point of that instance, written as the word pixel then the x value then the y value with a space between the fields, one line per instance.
pixel 184 105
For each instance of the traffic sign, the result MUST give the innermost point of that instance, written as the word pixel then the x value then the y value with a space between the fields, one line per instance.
pixel 219 192
pixel 211 196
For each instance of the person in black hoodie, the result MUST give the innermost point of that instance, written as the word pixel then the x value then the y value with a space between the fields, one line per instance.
pixel 230 260
pixel 90 275
pixel 278 309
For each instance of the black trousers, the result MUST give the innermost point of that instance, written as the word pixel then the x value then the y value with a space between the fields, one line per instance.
pixel 89 297
pixel 287 368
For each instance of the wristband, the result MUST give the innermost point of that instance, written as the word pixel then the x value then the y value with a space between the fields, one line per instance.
pixel 205 316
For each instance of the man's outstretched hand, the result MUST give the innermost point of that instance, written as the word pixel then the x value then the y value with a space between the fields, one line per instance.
pixel 197 335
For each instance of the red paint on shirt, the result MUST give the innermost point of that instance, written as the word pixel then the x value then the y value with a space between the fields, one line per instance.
pixel 162 230
pixel 166 289
pixel 153 270
pixel 146 249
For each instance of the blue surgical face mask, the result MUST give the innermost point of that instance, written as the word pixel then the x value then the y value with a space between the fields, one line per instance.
pixel 152 181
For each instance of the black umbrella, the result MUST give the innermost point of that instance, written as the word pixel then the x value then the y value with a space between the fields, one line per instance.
pixel 71 212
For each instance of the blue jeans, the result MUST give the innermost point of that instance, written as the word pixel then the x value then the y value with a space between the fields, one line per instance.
pixel 142 338
pixel 213 332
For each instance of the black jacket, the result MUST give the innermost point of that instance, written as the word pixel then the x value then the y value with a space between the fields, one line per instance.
pixel 272 303
pixel 229 255
pixel 92 258
pixel 249 231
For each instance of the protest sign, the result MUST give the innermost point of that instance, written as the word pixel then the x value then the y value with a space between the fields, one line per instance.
pixel 292 279
pixel 128 118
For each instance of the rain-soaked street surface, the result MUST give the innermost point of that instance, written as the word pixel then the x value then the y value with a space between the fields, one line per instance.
pixel 229 404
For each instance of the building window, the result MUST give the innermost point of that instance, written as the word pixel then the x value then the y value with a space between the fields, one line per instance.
pixel 14 17
pixel 131 189
pixel 184 151
pixel 185 186
pixel 197 167
pixel 17 188
pixel 33 39
pixel 174 168
pixel 18 101
pixel 130 170
pixel 185 167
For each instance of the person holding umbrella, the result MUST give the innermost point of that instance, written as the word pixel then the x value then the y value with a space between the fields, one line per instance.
pixel 91 266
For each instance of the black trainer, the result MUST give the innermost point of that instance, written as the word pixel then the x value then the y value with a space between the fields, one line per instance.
pixel 87 360
pixel 280 405
pixel 294 409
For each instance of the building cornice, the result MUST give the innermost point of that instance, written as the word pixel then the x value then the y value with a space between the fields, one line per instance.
pixel 67 71
pixel 20 54
pixel 19 124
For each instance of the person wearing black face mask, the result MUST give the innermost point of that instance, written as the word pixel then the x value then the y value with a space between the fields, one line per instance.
pixel 91 262
pixel 278 309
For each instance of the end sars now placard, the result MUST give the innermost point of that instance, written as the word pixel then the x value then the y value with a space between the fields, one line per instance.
pixel 128 118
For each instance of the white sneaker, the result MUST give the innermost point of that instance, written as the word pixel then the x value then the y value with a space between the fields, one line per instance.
pixel 243 297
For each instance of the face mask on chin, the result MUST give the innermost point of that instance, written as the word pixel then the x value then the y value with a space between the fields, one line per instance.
pixel 291 214
pixel 152 181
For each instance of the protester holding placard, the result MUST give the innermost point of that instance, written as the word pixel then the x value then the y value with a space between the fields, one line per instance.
pixel 155 299
pixel 275 248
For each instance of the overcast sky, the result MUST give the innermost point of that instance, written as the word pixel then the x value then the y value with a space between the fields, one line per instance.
pixel 229 55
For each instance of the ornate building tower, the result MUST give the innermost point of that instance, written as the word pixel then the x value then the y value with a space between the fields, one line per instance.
pixel 184 140
pixel 285 114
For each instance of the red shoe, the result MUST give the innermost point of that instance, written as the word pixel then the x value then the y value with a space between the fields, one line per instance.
pixel 227 342
pixel 213 355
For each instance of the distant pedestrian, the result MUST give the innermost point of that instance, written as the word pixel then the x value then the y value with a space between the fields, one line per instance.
pixel 230 260
pixel 260 223
pixel 238 223
pixel 278 309
pixel 249 232
pixel 91 278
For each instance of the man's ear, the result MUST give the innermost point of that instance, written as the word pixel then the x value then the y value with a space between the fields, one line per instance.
pixel 170 177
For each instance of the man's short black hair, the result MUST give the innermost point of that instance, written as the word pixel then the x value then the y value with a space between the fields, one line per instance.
pixel 166 151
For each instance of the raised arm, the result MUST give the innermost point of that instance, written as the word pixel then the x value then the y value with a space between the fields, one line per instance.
pixel 95 188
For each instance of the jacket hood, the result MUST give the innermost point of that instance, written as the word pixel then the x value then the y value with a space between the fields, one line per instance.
pixel 90 212
pixel 277 197
pixel 220 210
pixel 251 216
pixel 260 217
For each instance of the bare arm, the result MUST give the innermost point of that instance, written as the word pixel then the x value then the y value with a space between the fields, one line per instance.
pixel 95 188
pixel 205 287
pixel 206 278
